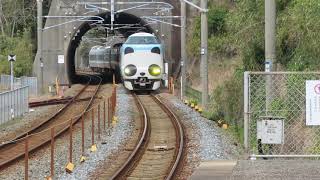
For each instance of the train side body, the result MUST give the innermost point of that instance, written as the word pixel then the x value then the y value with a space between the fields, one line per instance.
pixel 104 59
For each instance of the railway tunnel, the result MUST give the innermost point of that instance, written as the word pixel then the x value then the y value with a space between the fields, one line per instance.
pixel 121 18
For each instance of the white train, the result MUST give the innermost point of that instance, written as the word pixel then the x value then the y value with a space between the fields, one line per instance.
pixel 103 59
pixel 141 62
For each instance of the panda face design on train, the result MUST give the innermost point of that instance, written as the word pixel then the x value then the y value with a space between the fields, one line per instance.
pixel 142 62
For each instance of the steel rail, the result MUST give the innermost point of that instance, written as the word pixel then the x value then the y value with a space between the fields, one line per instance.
pixel 133 159
pixel 16 141
pixel 59 112
pixel 180 138
pixel 141 145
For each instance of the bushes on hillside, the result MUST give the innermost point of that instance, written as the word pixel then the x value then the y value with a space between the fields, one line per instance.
pixel 239 31
pixel 22 47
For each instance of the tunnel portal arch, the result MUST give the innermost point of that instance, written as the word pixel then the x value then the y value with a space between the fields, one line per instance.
pixel 121 18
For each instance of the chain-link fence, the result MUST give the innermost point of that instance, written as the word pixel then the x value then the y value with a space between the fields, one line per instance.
pixel 276 106
pixel 31 82
pixel 13 104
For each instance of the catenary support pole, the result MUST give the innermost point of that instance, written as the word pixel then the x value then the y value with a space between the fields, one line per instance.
pixel 40 36
pixel 270 46
pixel 204 53
pixel 183 49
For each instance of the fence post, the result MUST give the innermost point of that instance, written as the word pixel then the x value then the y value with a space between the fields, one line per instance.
pixel 99 130
pixel 70 165
pixel 26 158
pixel 115 97
pixel 104 114
pixel 92 127
pixel 246 110
pixel 70 158
pixel 82 134
pixel 52 152
pixel 109 112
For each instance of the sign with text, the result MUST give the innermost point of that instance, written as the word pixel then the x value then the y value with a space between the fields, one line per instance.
pixel 312 102
pixel 270 131
pixel 60 59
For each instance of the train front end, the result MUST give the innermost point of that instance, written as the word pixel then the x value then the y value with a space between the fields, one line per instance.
pixel 142 62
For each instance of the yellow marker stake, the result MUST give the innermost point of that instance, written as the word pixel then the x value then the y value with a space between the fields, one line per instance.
pixel 114 121
pixel 70 167
pixel 225 126
pixel 82 159
pixel 93 148
pixel 192 105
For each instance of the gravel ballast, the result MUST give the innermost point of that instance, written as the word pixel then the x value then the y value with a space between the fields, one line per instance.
pixel 205 140
pixel 39 162
pixel 118 134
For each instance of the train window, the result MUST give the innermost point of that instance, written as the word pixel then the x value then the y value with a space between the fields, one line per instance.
pixel 92 57
pixel 142 40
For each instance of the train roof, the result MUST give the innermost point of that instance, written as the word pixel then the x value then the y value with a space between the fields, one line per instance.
pixel 142 34
pixel 98 47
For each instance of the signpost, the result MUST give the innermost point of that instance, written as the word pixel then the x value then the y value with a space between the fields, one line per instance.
pixel 11 58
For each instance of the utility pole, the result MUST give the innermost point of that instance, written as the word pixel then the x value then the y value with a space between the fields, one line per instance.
pixel 183 49
pixel 270 46
pixel 270 34
pixel 204 53
pixel 40 36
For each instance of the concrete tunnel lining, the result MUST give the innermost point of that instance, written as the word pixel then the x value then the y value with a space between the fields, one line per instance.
pixel 121 18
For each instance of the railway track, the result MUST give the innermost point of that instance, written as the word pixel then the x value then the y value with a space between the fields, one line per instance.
pixel 40 135
pixel 160 148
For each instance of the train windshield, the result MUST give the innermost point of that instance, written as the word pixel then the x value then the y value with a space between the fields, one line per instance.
pixel 142 40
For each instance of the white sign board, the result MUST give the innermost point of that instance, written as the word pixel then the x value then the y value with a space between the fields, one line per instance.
pixel 312 102
pixel 60 59
pixel 11 57
pixel 270 131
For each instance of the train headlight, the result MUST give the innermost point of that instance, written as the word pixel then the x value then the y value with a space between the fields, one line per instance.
pixel 154 70
pixel 130 70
